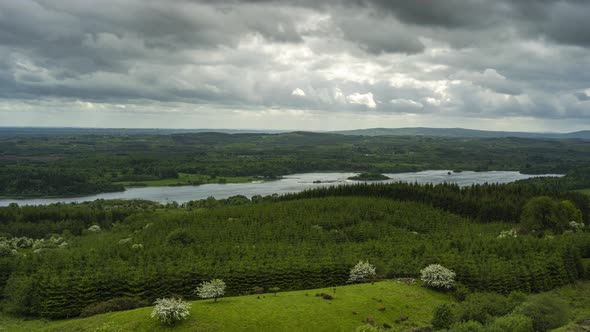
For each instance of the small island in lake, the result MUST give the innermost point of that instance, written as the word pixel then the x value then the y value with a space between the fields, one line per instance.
pixel 369 177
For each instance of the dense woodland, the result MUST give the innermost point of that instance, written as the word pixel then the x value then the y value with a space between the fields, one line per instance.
pixel 69 256
pixel 66 260
pixel 78 165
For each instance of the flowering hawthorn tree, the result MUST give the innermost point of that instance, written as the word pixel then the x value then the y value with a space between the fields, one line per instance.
pixel 171 310
pixel 437 276
pixel 361 271
pixel 211 289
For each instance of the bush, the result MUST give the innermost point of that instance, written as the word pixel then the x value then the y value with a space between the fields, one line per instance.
pixel 469 326
pixel 170 311
pixel 483 307
pixel 461 292
pixel 211 289
pixel 94 229
pixel 442 317
pixel 546 311
pixel 116 304
pixel 180 237
pixel 512 323
pixel 437 276
pixel 361 271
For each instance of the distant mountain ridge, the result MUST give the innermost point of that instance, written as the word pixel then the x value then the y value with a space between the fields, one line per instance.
pixel 409 131
pixel 459 132
pixel 74 131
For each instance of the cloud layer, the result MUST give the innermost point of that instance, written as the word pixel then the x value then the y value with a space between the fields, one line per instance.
pixel 418 62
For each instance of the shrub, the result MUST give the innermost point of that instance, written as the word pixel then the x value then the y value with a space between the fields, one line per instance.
pixel 274 290
pixel 94 228
pixel 171 310
pixel 211 289
pixel 547 312
pixel 512 323
pixel 469 326
pixel 257 290
pixel 461 292
pixel 437 276
pixel 116 304
pixel 442 317
pixel 180 237
pixel 361 271
pixel 483 307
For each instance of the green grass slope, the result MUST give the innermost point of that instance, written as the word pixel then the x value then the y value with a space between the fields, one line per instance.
pixel 288 311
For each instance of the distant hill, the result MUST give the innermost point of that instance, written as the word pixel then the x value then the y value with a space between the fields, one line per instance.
pixel 73 131
pixel 414 131
pixel 459 132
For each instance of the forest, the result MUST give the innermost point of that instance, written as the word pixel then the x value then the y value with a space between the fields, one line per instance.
pixel 48 166
pixel 71 260
pixel 57 260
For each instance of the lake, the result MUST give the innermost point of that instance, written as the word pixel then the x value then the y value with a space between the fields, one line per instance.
pixel 289 184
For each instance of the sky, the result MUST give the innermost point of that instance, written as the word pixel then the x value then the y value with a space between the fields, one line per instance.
pixel 296 65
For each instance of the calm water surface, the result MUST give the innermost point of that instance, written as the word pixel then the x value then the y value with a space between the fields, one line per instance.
pixel 289 184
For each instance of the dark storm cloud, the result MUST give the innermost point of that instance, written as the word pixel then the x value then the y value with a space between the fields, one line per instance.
pixel 582 96
pixel 461 57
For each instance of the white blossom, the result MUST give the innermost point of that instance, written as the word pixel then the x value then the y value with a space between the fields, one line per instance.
pixel 577 226
pixel 171 310
pixel 362 270
pixel 211 289
pixel 508 234
pixel 438 276
pixel 94 228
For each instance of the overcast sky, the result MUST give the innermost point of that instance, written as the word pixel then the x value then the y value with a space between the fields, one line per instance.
pixel 310 65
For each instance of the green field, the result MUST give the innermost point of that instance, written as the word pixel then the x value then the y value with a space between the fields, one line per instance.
pixel 288 311
pixel 185 179
pixel 584 191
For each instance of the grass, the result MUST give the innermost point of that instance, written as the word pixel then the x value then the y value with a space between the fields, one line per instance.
pixel 185 179
pixel 286 311
pixel 584 191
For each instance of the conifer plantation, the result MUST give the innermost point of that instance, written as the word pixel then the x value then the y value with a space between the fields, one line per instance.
pixel 99 251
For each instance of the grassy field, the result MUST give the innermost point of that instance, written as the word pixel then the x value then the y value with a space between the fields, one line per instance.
pixel 584 191
pixel 185 179
pixel 288 311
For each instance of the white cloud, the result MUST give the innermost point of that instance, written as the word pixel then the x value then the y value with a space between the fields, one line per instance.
pixel 298 92
pixel 362 99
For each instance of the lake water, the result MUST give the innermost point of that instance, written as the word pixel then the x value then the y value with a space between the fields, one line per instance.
pixel 289 184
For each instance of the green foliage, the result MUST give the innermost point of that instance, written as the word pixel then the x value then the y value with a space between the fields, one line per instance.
pixel 442 317
pixel 461 292
pixel 78 165
pixel 544 213
pixel 369 177
pixel 22 295
pixel 468 326
pixel 512 323
pixel 483 307
pixel 180 237
pixel 291 311
pixel 547 312
pixel 291 244
pixel 116 304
